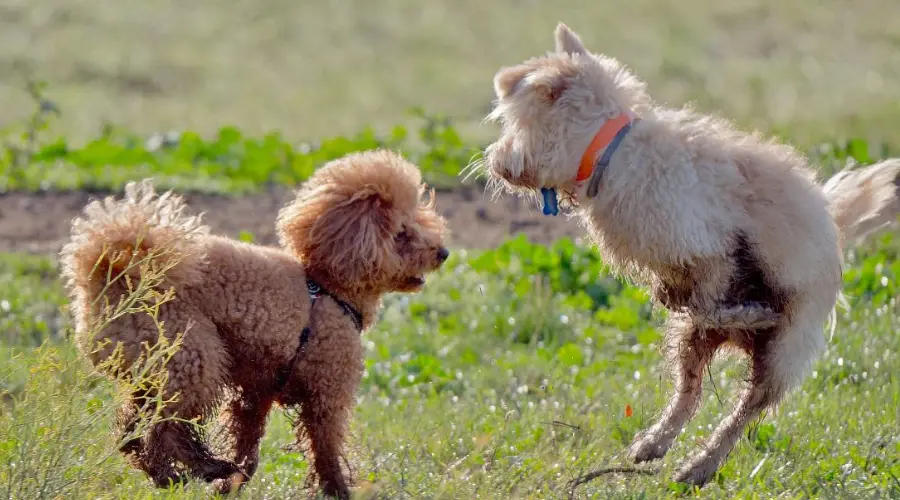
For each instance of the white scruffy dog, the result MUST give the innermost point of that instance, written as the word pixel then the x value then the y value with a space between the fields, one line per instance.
pixel 732 232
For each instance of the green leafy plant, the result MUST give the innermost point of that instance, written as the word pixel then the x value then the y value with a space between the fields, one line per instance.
pixel 567 268
pixel 228 162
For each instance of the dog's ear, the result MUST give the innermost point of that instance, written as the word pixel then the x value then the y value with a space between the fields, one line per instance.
pixel 549 83
pixel 567 41
pixel 507 79
pixel 350 238
pixel 340 233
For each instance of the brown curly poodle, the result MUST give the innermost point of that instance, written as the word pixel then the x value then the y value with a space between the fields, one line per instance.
pixel 262 325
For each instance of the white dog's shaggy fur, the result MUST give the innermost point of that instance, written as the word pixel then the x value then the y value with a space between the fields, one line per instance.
pixel 732 232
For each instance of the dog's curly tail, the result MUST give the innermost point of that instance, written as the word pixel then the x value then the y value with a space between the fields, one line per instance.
pixel 865 200
pixel 116 238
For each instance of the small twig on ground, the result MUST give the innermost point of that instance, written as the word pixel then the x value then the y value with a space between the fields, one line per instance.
pixel 559 423
pixel 590 476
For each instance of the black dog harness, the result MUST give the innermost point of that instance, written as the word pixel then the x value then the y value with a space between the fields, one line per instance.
pixel 315 291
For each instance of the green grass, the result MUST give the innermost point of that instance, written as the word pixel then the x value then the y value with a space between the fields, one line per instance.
pixel 34 157
pixel 507 377
pixel 510 374
pixel 322 68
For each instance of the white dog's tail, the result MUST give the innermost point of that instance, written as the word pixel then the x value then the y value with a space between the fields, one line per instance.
pixel 864 200
pixel 118 238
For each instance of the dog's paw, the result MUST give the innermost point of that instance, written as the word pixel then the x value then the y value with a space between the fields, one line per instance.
pixel 337 490
pixel 232 483
pixel 648 446
pixel 697 471
pixel 250 464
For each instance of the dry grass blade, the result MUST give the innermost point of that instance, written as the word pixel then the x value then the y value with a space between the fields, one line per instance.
pixel 590 476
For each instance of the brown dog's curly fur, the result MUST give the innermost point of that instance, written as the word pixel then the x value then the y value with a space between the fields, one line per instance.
pixel 359 227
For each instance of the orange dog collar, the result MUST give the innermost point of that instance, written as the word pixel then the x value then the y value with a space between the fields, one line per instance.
pixel 601 140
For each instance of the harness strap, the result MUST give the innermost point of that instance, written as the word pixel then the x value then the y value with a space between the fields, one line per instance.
pixel 315 291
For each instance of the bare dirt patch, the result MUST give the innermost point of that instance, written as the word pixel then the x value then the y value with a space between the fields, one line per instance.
pixel 39 222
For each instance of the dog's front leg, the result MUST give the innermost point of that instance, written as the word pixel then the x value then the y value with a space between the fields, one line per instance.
pixel 329 374
pixel 689 351
pixel 324 424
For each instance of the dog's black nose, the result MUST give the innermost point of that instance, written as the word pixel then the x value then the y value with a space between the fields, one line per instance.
pixel 443 253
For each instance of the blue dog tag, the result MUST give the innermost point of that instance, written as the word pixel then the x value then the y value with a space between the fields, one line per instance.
pixel 550 206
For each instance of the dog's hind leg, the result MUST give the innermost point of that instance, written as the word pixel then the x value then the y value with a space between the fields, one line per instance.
pixel 244 418
pixel 157 461
pixel 197 372
pixel 157 466
pixel 186 444
pixel 127 419
pixel 690 350
pixel 779 359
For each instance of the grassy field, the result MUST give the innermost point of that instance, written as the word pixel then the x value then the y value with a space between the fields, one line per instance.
pixel 509 376
pixel 813 70
pixel 531 396
pixel 517 369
